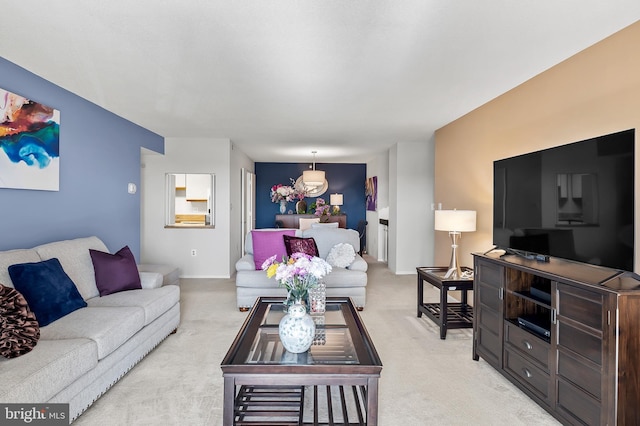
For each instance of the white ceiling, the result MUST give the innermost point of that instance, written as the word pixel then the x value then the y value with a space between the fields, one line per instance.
pixel 280 78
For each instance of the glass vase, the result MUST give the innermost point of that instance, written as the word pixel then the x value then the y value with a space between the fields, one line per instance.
pixel 283 206
pixel 318 298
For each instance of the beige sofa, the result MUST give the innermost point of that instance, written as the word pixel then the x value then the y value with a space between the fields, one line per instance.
pixel 350 281
pixel 81 355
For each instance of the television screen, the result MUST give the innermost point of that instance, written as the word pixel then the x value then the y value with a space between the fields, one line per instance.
pixel 574 201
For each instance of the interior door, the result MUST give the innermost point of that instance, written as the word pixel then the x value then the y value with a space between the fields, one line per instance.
pixel 248 197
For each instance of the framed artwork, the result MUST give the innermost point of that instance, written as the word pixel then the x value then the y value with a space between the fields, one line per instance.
pixel 29 144
pixel 371 191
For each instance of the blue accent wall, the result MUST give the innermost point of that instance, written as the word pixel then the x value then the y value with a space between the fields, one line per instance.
pixel 99 155
pixel 346 179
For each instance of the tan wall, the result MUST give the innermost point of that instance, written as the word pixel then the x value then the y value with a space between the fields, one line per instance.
pixel 593 93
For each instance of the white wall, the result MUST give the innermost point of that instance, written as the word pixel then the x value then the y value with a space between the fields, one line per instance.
pixel 378 166
pixel 411 183
pixel 239 160
pixel 173 246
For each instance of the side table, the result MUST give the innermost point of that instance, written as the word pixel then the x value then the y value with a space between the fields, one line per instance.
pixel 445 314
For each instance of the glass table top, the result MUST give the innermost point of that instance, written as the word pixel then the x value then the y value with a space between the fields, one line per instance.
pixel 332 343
pixel 340 339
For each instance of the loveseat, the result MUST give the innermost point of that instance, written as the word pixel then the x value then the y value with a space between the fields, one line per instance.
pixel 348 280
pixel 81 355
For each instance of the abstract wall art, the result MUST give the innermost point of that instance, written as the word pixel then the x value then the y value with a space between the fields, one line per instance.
pixel 371 191
pixel 29 144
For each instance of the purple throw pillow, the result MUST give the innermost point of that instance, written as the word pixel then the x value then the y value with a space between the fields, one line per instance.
pixel 115 272
pixel 301 245
pixel 268 243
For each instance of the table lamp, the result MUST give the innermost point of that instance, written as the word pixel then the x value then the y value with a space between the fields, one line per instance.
pixel 455 222
pixel 336 200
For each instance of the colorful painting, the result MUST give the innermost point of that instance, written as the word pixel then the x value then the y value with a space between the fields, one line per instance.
pixel 29 144
pixel 371 191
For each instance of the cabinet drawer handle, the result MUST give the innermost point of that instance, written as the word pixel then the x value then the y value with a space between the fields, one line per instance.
pixel 527 373
pixel 527 345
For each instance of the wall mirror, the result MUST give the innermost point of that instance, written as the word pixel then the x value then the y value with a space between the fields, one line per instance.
pixel 189 200
pixel 577 199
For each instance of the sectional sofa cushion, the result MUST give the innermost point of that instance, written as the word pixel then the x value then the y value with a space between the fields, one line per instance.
pixel 154 302
pixel 11 257
pixel 327 238
pixel 267 244
pixel 19 329
pixel 108 327
pixel 75 259
pixel 115 272
pixel 52 365
pixel 49 291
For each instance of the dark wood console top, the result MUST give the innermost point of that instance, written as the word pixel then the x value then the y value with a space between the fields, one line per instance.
pixel 581 273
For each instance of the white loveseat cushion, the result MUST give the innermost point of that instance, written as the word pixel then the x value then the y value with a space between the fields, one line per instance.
pixel 154 302
pixel 326 238
pixel 51 365
pixel 109 327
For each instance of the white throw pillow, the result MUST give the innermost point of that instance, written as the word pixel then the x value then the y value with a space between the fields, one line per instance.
pixel 341 255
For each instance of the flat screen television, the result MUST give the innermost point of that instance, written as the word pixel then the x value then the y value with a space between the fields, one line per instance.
pixel 574 201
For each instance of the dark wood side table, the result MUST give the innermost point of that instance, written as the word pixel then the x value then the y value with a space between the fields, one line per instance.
pixel 445 314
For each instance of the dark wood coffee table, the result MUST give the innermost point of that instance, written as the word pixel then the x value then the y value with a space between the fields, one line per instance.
pixel 335 382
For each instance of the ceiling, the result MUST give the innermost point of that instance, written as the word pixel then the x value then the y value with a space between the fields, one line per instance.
pixel 282 78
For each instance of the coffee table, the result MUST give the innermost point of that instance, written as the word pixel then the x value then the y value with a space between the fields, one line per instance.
pixel 334 382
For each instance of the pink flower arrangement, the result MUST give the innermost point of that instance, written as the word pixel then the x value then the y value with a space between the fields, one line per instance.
pixel 297 273
pixel 322 208
pixel 282 192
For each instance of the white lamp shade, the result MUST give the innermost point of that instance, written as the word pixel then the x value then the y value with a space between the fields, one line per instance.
pixel 455 220
pixel 336 199
pixel 313 177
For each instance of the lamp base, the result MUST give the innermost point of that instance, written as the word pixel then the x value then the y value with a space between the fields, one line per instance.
pixel 454 265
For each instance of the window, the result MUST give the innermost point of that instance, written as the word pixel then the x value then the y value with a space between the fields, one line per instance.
pixel 190 200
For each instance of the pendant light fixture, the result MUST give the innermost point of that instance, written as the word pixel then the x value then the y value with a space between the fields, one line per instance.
pixel 313 177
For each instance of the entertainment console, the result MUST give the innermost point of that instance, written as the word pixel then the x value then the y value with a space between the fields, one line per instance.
pixel 566 333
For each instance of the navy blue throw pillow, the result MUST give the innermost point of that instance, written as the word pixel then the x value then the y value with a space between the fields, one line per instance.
pixel 48 290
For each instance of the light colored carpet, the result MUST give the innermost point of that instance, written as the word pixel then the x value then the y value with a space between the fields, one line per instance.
pixel 424 381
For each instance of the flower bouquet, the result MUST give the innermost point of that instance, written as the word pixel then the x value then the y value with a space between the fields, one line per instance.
pixel 282 192
pixel 297 274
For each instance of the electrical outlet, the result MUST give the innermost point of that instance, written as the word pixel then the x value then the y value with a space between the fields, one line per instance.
pixel 194 252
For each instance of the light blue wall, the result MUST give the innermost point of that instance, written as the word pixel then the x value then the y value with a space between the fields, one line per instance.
pixel 99 155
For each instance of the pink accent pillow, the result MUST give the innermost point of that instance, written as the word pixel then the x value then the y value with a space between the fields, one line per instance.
pixel 268 243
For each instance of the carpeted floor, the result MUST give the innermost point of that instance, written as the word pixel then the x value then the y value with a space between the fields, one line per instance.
pixel 424 381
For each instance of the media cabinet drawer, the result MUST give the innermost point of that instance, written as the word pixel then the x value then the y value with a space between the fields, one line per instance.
pixel 527 344
pixel 580 373
pixel 528 374
pixel 578 406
